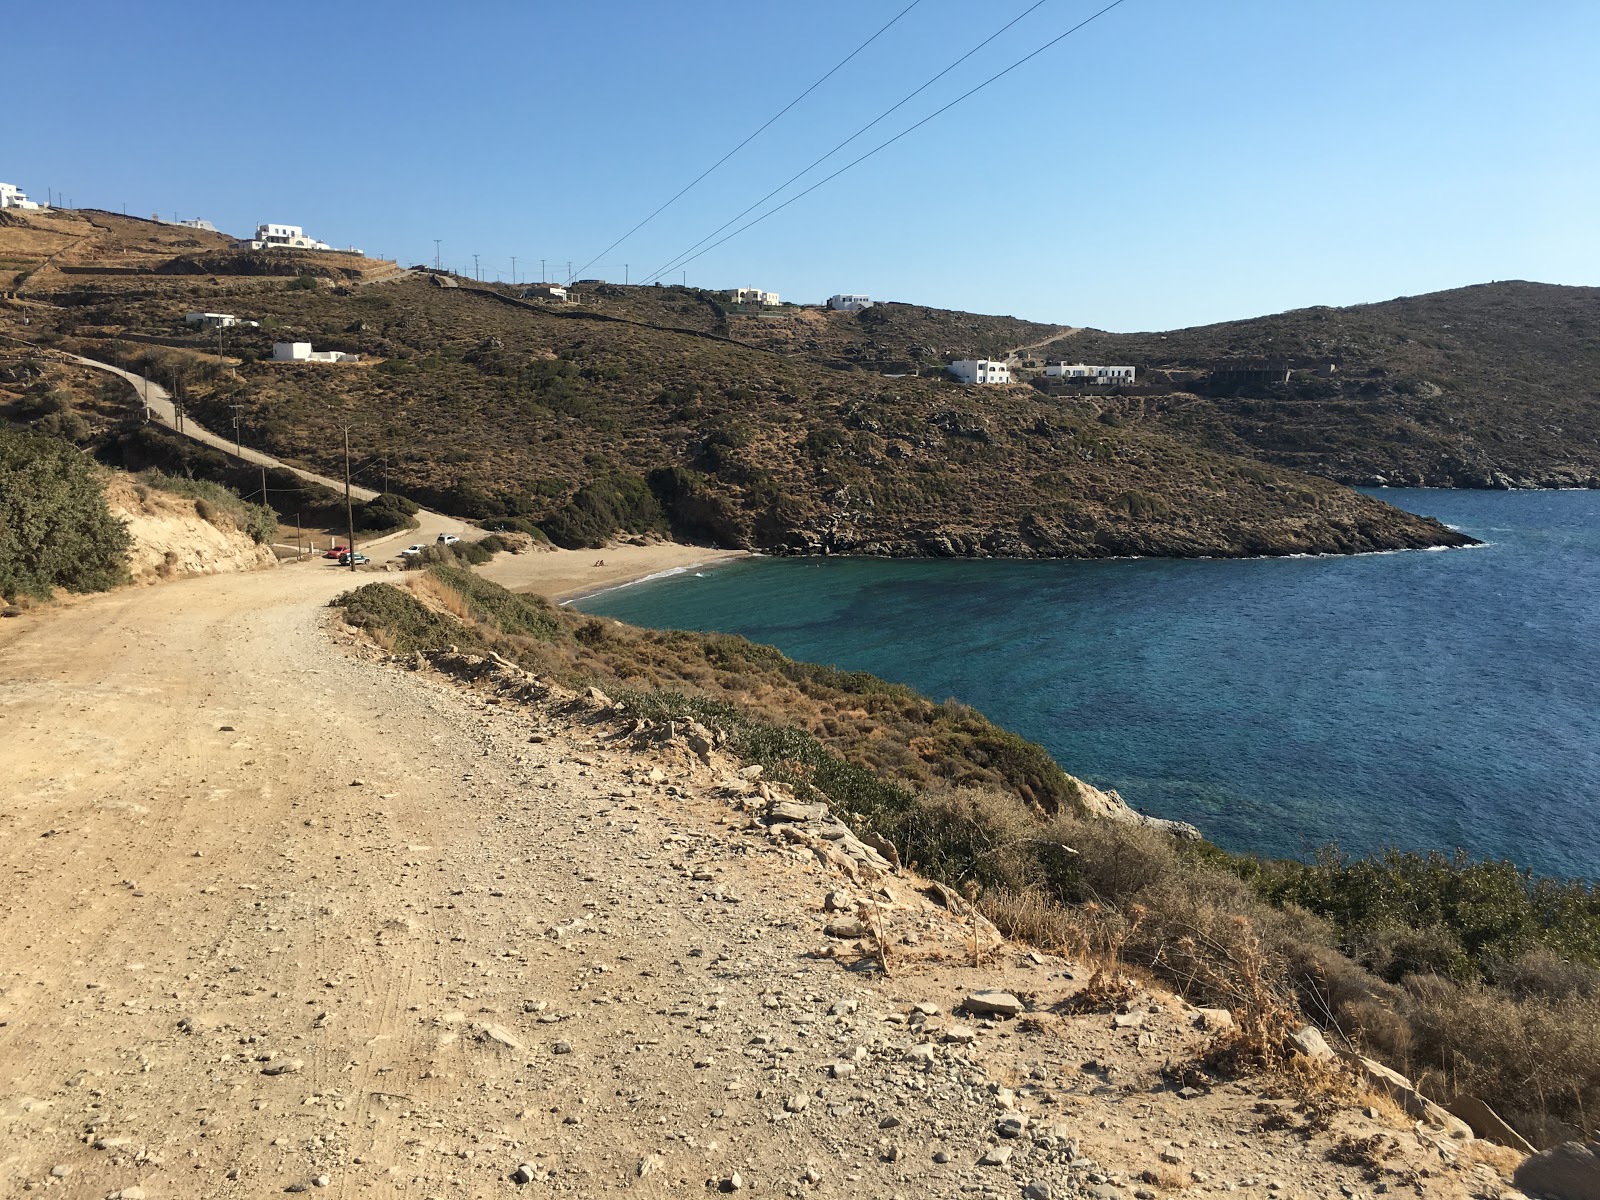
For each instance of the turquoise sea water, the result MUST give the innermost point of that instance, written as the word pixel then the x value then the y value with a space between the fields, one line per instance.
pixel 1433 699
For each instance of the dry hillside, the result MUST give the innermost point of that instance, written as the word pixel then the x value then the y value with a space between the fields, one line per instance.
pixel 487 406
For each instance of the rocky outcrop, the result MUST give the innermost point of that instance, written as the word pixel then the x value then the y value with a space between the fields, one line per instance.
pixel 171 539
pixel 1110 806
pixel 1570 1171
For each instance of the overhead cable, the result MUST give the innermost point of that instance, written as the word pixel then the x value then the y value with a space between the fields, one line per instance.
pixel 679 195
pixel 875 120
pixel 910 129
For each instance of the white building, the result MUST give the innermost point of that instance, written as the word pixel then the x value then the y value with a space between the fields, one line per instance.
pixel 754 296
pixel 11 196
pixel 1066 370
pixel 219 320
pixel 545 291
pixel 302 352
pixel 285 237
pixel 843 303
pixel 198 223
pixel 290 237
pixel 980 370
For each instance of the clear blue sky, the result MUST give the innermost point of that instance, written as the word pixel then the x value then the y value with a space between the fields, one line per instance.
pixel 1174 163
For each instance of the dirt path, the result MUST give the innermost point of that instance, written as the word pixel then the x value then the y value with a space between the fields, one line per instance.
pixel 1022 351
pixel 275 916
pixel 429 524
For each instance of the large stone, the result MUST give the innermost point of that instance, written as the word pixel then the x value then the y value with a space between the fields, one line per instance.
pixel 1487 1123
pixel 1308 1040
pixel 1570 1171
pixel 1405 1094
pixel 794 810
pixel 991 1003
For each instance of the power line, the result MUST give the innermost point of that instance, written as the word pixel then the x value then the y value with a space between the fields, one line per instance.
pixel 910 129
pixel 875 120
pixel 679 195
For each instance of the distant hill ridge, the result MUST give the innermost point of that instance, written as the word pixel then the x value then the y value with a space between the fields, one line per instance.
pixel 808 431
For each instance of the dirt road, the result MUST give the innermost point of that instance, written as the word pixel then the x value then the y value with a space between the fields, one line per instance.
pixel 276 917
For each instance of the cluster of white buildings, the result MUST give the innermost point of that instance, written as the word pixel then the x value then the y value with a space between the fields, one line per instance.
pixel 11 196
pixel 289 237
pixel 302 352
pixel 1066 370
pixel 994 370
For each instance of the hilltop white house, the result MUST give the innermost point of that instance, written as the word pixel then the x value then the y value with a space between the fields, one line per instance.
pixel 289 237
pixel 218 320
pixel 1066 370
pixel 545 291
pixel 302 352
pixel 11 196
pixel 843 303
pixel 980 370
pixel 754 296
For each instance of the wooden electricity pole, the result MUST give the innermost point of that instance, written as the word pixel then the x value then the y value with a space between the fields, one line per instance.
pixel 349 509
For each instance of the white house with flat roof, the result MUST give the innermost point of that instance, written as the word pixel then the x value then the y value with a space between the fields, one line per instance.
pixel 1091 374
pixel 754 296
pixel 843 303
pixel 545 291
pixel 290 237
pixel 302 352
pixel 218 320
pixel 980 370
pixel 11 196
pixel 285 237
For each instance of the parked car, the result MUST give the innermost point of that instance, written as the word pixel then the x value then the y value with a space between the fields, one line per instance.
pixel 418 548
pixel 336 551
pixel 447 539
pixel 344 559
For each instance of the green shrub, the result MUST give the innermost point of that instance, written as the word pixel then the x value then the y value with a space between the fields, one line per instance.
pixel 510 612
pixel 55 529
pixel 604 507
pixel 385 513
pixel 398 620
pixel 1403 913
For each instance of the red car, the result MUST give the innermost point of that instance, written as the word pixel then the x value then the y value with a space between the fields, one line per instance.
pixel 337 551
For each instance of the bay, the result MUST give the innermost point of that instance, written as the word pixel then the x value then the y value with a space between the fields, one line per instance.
pixel 1425 700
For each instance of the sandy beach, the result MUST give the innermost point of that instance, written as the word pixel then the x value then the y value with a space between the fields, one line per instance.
pixel 562 575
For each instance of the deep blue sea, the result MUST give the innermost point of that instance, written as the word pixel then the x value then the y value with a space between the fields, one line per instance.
pixel 1422 699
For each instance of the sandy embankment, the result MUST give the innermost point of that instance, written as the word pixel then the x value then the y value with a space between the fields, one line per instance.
pixel 567 574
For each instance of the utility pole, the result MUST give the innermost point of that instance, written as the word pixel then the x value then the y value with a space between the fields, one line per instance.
pixel 298 530
pixel 238 440
pixel 437 261
pixel 145 380
pixel 624 272
pixel 543 277
pixel 475 274
pixel 349 509
pixel 264 485
pixel 569 270
pixel 513 270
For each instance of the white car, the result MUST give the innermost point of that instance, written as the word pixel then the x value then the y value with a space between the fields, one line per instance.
pixel 448 539
pixel 418 548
